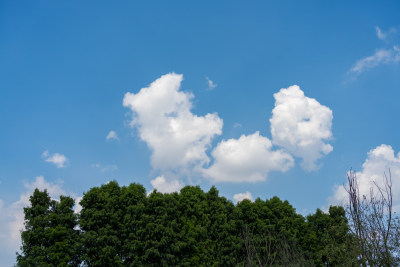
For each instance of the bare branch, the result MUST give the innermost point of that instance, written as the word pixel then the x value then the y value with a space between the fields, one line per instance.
pixel 371 219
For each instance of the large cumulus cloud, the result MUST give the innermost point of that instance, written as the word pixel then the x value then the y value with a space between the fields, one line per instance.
pixel 247 159
pixel 301 125
pixel 162 114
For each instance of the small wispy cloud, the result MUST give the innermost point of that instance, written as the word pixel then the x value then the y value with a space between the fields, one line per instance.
pixel 237 125
pixel 57 159
pixel 211 84
pixel 112 136
pixel 381 56
pixel 380 33
pixel 104 168
pixel 383 35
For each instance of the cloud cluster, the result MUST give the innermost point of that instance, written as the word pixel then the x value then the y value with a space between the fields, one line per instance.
pixel 241 196
pixel 177 137
pixel 247 159
pixel 379 160
pixel 57 159
pixel 301 125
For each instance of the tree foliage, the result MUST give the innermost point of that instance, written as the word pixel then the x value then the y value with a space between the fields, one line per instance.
pixel 122 226
pixel 50 237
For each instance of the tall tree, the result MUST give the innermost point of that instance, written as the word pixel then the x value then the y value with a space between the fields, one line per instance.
pixel 50 237
pixel 133 203
pixel 329 239
pixel 271 231
pixel 101 221
pixel 112 222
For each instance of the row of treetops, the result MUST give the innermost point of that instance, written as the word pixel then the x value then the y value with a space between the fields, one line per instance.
pixel 123 226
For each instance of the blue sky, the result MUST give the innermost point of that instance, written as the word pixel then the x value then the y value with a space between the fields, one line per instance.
pixel 66 68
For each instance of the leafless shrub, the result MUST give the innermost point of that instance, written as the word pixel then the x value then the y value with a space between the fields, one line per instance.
pixel 373 222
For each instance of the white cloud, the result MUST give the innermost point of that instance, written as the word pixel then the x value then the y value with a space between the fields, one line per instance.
pixel 112 136
pixel 247 159
pixel 301 125
pixel 40 183
pixel 95 165
pixel 78 206
pixel 380 33
pixel 241 196
pixel 106 168
pixel 211 84
pixel 381 56
pixel 379 161
pixel 57 159
pixel 237 125
pixel 166 186
pixel 12 216
pixel 384 35
pixel 16 208
pixel 177 137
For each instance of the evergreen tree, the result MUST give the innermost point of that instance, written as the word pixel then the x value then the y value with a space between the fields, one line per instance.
pixel 50 237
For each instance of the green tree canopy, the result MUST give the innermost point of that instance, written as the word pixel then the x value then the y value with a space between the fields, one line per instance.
pixel 50 237
pixel 122 226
